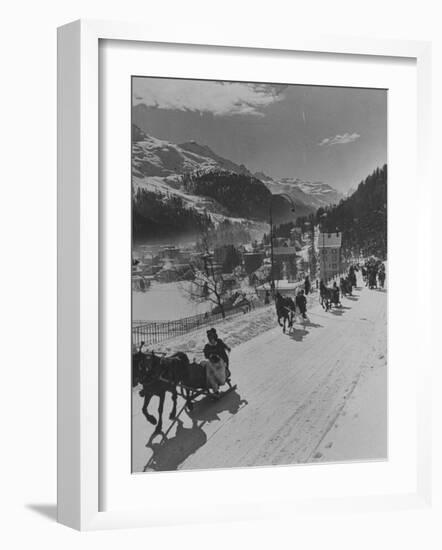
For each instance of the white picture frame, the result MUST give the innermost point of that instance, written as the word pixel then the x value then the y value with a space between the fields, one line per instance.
pixel 79 296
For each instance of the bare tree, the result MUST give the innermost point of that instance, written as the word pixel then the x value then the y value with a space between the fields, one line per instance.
pixel 206 285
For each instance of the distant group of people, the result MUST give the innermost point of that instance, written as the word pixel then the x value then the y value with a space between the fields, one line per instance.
pixel 373 272
pixel 351 277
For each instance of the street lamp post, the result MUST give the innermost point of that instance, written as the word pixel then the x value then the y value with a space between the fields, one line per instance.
pixel 322 264
pixel 289 199
pixel 272 278
pixel 311 228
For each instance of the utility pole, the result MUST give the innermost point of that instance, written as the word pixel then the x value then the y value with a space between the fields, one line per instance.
pixel 272 272
pixel 312 251
pixel 322 256
pixel 289 199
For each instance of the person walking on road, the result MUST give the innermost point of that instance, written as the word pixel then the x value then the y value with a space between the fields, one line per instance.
pixel 301 303
pixel 381 277
pixel 307 285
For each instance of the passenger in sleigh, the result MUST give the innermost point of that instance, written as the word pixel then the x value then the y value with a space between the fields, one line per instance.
pixel 217 364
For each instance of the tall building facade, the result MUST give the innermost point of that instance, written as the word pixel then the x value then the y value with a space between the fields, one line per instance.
pixel 330 255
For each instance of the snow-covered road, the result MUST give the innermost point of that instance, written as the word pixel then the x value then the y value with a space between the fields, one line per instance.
pixel 319 394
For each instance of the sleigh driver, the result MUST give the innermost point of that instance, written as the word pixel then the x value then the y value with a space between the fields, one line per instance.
pixel 217 365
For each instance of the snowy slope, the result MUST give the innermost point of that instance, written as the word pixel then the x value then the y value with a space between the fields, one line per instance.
pixel 157 166
pixel 168 186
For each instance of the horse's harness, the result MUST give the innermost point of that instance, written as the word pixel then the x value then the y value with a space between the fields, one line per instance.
pixel 148 377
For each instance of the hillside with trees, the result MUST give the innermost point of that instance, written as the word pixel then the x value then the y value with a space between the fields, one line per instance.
pixel 157 217
pixel 242 195
pixel 362 217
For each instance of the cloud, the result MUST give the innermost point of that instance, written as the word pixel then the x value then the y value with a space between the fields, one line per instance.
pixel 219 98
pixel 339 139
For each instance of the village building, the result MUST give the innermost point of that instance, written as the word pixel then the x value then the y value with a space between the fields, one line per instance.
pixel 330 260
pixel 260 275
pixel 141 283
pixel 169 253
pixel 228 256
pixel 171 273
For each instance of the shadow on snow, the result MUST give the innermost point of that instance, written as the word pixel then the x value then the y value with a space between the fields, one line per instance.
pixel 312 325
pixel 340 310
pixel 298 334
pixel 169 453
pixel 208 410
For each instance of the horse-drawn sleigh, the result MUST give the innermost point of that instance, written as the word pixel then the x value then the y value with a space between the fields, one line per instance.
pixel 159 374
pixel 289 310
pixel 329 297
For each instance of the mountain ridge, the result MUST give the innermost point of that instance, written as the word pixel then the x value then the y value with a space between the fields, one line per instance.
pixel 315 194
pixel 193 176
pixel 155 157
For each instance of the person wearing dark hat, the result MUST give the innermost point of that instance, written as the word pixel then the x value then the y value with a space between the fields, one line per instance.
pixel 216 346
pixel 301 302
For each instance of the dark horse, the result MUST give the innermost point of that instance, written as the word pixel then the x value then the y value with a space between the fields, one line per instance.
pixel 328 297
pixel 285 310
pixel 346 286
pixel 158 375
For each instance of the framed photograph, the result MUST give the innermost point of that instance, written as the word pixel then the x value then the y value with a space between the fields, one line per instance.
pixel 234 309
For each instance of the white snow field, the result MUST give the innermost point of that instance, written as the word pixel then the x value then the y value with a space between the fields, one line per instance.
pixel 317 395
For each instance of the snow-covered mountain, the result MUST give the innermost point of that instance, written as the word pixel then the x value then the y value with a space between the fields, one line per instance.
pixel 195 177
pixel 156 157
pixel 314 194
pixel 160 167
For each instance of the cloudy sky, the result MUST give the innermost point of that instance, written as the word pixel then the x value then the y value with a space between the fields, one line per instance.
pixel 335 135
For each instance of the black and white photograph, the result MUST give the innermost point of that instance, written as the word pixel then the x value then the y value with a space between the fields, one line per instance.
pixel 222 223
pixel 259 274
